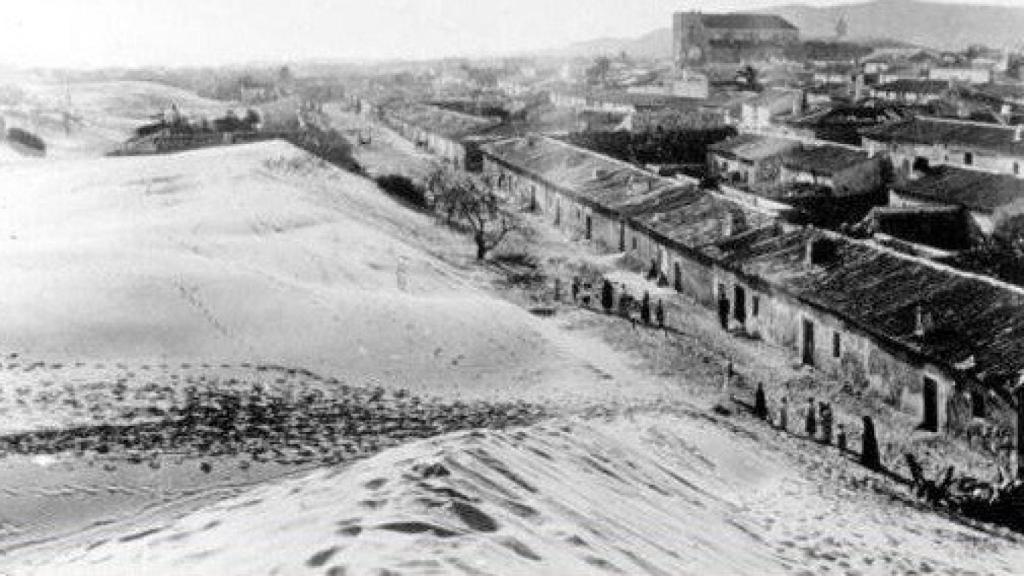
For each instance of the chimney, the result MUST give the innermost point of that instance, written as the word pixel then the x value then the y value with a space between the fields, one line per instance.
pixel 818 251
pixel 728 224
pixel 922 322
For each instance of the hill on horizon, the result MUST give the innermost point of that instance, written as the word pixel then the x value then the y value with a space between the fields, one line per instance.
pixel 929 24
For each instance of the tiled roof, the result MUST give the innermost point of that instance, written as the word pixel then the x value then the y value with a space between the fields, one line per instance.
pixel 740 21
pixel 594 179
pixel 915 86
pixel 443 122
pixel 823 160
pixel 972 189
pixel 880 290
pixel 753 147
pixel 924 130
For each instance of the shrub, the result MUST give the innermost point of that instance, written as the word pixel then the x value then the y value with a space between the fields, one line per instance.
pixel 403 189
pixel 26 139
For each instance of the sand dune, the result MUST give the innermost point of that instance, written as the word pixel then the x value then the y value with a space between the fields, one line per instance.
pixel 252 252
pixel 106 113
pixel 650 495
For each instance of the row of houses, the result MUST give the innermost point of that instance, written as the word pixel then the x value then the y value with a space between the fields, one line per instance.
pixel 922 142
pixel 751 160
pixel 943 345
pixel 453 136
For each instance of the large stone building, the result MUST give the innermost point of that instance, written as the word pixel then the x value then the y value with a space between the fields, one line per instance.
pixel 706 38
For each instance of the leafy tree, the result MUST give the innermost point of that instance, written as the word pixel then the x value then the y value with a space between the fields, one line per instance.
pixel 470 202
pixel 251 119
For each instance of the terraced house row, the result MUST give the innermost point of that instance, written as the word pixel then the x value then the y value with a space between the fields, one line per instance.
pixel 934 342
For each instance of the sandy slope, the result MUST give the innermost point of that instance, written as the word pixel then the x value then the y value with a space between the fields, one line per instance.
pixel 651 494
pixel 219 254
pixel 134 268
pixel 107 113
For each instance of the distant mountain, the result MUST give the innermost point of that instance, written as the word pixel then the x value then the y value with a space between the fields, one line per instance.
pixel 656 44
pixel 939 26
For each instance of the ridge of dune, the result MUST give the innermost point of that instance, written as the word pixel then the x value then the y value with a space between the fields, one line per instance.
pixel 565 498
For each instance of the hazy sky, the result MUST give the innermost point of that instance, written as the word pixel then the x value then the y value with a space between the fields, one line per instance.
pixel 184 32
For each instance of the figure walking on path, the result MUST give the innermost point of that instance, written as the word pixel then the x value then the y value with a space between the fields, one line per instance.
pixel 760 403
pixel 841 438
pixel 575 288
pixel 607 296
pixel 727 379
pixel 625 307
pixel 826 423
pixel 659 315
pixel 810 422
pixel 784 415
pixel 869 448
pixel 645 309
pixel 723 312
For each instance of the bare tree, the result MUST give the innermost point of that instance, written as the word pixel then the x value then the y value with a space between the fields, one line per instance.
pixel 470 202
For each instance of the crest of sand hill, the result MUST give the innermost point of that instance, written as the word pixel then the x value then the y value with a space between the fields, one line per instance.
pixel 935 25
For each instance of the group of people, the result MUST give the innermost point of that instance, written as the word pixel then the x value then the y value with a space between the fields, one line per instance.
pixel 818 425
pixel 626 304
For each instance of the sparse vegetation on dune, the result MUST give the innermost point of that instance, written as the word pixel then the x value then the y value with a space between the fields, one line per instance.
pixel 290 416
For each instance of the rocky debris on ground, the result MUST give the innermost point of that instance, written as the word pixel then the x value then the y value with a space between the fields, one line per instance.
pixel 1000 501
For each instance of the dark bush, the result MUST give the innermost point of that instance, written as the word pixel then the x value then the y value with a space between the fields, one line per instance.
pixel 27 139
pixel 403 189
pixel 329 145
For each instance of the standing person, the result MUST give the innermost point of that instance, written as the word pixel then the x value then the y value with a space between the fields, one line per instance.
pixel 826 423
pixel 558 289
pixel 607 296
pixel 841 438
pixel 784 415
pixel 869 446
pixel 723 311
pixel 727 378
pixel 810 422
pixel 575 288
pixel 645 309
pixel 760 403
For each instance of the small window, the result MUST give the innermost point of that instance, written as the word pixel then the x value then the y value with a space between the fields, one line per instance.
pixel 968 158
pixel 977 404
pixel 755 305
pixel 837 348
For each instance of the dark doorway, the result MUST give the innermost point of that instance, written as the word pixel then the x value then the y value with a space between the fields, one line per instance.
pixel 590 228
pixel 677 278
pixel 723 307
pixel 739 306
pixel 931 405
pixel 921 164
pixel 807 357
